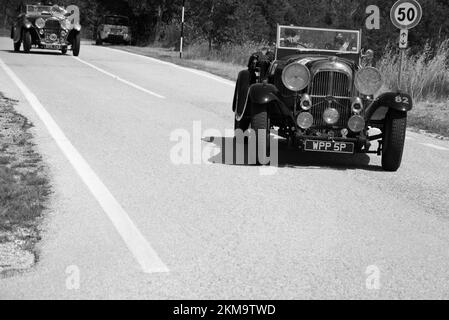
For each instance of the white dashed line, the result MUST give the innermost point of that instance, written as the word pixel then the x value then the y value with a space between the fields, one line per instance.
pixel 197 72
pixel 120 79
pixel 135 241
pixel 434 146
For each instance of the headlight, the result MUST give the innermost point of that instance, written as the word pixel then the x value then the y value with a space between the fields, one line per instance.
pixel 66 24
pixel 356 123
pixel 368 81
pixel 296 76
pixel 40 23
pixel 306 102
pixel 304 120
pixel 331 116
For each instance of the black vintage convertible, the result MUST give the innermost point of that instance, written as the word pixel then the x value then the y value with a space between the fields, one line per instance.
pixel 319 91
pixel 45 27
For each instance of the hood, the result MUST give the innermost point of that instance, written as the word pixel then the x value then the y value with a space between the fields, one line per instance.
pixel 320 63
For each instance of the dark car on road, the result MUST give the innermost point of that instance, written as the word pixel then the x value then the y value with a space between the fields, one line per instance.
pixel 318 91
pixel 113 29
pixel 45 27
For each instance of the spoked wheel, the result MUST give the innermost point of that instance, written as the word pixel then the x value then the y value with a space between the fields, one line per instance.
pixel 260 123
pixel 27 41
pixel 394 139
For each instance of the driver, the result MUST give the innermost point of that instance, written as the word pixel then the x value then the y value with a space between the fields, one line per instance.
pixel 340 44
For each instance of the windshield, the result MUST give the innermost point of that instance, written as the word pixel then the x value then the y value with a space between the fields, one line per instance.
pixel 38 9
pixel 116 21
pixel 318 39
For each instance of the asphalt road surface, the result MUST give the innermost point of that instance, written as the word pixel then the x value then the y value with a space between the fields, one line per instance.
pixel 126 221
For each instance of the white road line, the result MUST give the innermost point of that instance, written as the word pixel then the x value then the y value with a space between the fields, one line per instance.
pixel 197 72
pixel 135 241
pixel 120 79
pixel 434 146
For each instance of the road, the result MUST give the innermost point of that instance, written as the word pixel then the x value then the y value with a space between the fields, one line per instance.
pixel 129 223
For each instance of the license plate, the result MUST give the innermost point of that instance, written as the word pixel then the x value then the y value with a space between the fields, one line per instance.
pixel 53 46
pixel 329 146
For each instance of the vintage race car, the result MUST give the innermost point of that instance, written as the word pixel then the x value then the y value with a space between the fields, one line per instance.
pixel 113 29
pixel 45 27
pixel 319 91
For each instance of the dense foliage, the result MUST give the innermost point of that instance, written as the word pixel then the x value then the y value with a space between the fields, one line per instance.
pixel 221 22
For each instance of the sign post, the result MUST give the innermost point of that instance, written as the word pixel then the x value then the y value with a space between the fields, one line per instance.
pixel 405 15
pixel 181 41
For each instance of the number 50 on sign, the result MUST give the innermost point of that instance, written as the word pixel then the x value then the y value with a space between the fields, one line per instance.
pixel 406 14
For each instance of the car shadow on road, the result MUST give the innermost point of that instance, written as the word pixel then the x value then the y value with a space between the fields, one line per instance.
pixel 288 157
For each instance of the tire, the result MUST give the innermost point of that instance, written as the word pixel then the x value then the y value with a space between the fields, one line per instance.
pixel 64 50
pixel 260 123
pixel 242 124
pixel 393 139
pixel 17 46
pixel 27 41
pixel 76 45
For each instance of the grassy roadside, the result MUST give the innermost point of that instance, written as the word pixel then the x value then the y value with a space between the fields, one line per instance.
pixel 24 190
pixel 432 117
pixel 226 70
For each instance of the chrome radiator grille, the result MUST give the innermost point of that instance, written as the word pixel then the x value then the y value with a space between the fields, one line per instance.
pixel 331 89
pixel 52 24
pixel 52 27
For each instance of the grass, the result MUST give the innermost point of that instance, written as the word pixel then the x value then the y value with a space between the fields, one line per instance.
pixel 24 187
pixel 425 75
pixel 426 78
pixel 226 63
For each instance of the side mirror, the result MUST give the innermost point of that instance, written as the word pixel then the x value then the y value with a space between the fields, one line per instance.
pixel 367 57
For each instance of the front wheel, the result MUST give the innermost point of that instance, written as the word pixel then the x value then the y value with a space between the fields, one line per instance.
pixel 260 123
pixel 17 46
pixel 64 50
pixel 393 140
pixel 27 41
pixel 76 45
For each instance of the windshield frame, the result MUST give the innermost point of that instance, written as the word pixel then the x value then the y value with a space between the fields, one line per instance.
pixel 359 40
pixel 36 7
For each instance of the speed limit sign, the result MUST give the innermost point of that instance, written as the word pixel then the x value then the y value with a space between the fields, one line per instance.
pixel 406 14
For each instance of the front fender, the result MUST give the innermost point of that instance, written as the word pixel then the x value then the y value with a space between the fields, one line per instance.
pixel 389 100
pixel 262 93
pixel 72 33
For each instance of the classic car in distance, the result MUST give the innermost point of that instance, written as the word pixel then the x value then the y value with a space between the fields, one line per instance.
pixel 113 29
pixel 45 27
pixel 319 90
